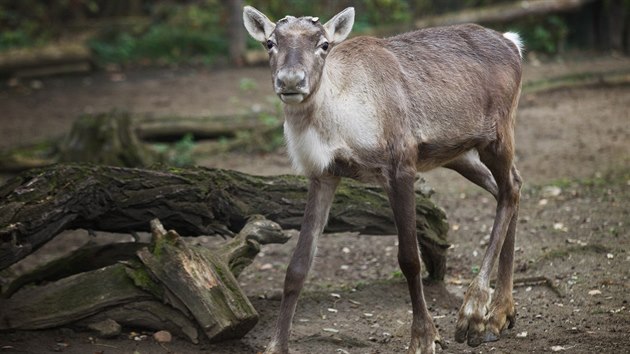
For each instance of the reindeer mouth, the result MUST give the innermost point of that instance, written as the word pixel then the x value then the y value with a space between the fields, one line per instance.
pixel 292 97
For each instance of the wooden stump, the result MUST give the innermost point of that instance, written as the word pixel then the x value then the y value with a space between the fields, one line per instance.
pixel 202 282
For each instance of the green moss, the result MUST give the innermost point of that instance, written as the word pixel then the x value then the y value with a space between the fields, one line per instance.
pixel 143 280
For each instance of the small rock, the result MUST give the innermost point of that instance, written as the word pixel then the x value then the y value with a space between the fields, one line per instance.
pixel 578 242
pixel 13 82
pixel 163 336
pixel 610 256
pixel 106 329
pixel 521 335
pixel 560 226
pixel 594 292
pixel 59 347
pixel 266 266
pixel 551 191
pixel 331 330
pixel 557 348
pixel 37 85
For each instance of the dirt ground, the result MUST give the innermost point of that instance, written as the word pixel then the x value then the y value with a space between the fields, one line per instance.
pixel 573 150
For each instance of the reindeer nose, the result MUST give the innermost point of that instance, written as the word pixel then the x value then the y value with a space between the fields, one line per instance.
pixel 291 80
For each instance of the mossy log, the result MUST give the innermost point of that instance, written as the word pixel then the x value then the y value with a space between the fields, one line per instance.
pixel 70 299
pixel 81 260
pixel 167 285
pixel 38 204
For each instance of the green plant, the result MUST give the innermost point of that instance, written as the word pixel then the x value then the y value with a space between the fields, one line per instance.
pixel 397 274
pixel 179 33
pixel 247 84
pixel 183 152
pixel 546 35
pixel 180 154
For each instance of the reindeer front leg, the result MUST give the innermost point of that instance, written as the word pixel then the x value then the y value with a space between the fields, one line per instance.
pixel 320 196
pixel 401 195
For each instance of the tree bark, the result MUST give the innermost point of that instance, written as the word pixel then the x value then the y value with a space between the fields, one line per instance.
pixel 37 205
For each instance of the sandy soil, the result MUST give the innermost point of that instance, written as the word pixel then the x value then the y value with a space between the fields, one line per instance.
pixel 573 150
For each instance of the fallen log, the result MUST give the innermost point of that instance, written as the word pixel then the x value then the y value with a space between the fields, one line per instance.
pixel 169 128
pixel 38 204
pixel 50 59
pixel 169 284
pixel 502 12
pixel 70 299
pixel 82 260
pixel 237 254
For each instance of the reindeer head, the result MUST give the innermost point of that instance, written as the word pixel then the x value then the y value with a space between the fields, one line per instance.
pixel 297 48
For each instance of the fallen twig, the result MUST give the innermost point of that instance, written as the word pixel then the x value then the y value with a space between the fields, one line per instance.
pixel 539 280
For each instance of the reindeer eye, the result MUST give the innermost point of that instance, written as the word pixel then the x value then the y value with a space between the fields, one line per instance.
pixel 270 44
pixel 325 46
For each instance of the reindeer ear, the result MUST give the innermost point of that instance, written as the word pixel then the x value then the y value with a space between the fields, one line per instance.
pixel 257 24
pixel 339 27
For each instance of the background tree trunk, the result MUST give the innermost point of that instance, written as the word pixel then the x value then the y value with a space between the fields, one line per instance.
pixel 37 205
pixel 236 32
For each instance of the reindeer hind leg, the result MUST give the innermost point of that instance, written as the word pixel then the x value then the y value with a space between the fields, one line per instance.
pixel 472 318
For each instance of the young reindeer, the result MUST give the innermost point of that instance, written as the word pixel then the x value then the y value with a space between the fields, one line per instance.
pixel 383 109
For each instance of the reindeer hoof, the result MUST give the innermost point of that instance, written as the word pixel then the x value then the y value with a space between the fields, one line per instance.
pixel 471 324
pixel 490 337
